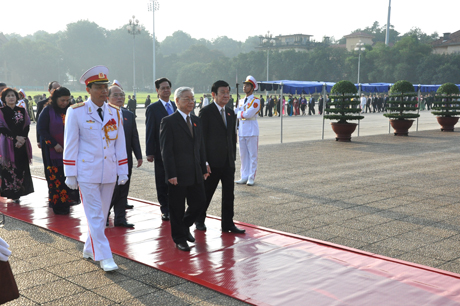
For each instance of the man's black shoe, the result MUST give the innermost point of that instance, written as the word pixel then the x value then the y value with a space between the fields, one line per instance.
pixel 183 246
pixel 165 217
pixel 234 229
pixel 190 237
pixel 127 206
pixel 200 226
pixel 124 224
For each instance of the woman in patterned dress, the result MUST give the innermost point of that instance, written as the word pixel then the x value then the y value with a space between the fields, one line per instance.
pixel 15 148
pixel 51 128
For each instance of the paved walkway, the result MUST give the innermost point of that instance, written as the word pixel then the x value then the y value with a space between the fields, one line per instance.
pixel 394 196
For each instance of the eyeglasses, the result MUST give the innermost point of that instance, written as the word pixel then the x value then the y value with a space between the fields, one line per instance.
pixel 188 100
pixel 118 95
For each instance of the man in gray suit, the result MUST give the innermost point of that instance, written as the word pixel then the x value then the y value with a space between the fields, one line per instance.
pixel 120 194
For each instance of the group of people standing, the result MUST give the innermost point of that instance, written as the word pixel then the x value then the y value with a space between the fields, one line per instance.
pixel 294 106
pixel 373 103
pixel 192 154
pixel 88 147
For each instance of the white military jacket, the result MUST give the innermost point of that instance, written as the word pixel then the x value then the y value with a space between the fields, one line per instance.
pixel 94 151
pixel 247 115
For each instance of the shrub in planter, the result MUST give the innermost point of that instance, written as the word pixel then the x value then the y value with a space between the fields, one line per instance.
pixel 343 107
pixel 446 106
pixel 401 105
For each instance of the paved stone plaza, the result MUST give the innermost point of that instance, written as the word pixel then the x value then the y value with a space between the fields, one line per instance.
pixel 394 196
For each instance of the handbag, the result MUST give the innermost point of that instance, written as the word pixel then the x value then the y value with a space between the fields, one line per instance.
pixel 9 289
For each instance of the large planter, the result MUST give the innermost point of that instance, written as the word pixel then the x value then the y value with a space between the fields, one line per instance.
pixel 401 127
pixel 343 131
pixel 447 123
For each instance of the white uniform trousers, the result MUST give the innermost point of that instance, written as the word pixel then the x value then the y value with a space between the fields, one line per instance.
pixel 249 146
pixel 96 200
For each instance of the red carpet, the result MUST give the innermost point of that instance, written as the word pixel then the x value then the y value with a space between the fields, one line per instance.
pixel 263 267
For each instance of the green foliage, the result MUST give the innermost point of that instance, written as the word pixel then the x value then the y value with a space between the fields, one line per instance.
pixel 345 103
pixel 449 89
pixel 344 87
pixel 402 87
pixel 402 102
pixel 446 104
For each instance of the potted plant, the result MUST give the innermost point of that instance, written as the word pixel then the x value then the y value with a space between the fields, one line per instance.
pixel 446 106
pixel 345 107
pixel 402 103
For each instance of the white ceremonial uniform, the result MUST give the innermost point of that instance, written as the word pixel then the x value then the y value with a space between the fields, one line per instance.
pixel 205 102
pixel 95 153
pixel 248 135
pixel 363 103
pixel 22 104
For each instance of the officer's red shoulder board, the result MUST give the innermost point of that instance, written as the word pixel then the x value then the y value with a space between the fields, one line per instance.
pixel 77 105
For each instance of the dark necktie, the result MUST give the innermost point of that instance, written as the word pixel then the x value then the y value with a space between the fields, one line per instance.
pixel 222 113
pixel 189 123
pixel 169 109
pixel 99 110
pixel 245 100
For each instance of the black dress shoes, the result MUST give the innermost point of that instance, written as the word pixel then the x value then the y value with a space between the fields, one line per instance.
pixel 200 226
pixel 165 217
pixel 127 206
pixel 190 237
pixel 124 224
pixel 183 246
pixel 234 229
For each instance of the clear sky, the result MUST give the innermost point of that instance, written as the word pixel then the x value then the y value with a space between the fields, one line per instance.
pixel 236 19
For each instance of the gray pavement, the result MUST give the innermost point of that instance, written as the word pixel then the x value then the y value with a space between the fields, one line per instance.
pixel 394 196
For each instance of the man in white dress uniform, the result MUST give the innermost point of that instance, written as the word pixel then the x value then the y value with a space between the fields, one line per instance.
pixel 248 131
pixel 94 154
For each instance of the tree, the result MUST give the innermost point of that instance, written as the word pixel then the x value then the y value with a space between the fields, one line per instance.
pixel 84 44
pixel 177 43
pixel 29 62
pixel 227 46
pixel 422 37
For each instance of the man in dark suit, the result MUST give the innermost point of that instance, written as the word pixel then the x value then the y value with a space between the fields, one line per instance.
pixel 231 103
pixel 132 105
pixel 153 115
pixel 147 101
pixel 262 105
pixel 219 135
pixel 184 159
pixel 311 106
pixel 120 194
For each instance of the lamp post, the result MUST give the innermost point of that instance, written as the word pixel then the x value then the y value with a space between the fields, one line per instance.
pixel 359 47
pixel 134 29
pixel 153 6
pixel 268 41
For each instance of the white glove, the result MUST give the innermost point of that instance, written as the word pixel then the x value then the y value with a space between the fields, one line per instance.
pixel 71 181
pixel 4 252
pixel 122 179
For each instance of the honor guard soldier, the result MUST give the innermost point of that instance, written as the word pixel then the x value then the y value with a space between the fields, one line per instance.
pixel 248 131
pixel 94 154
